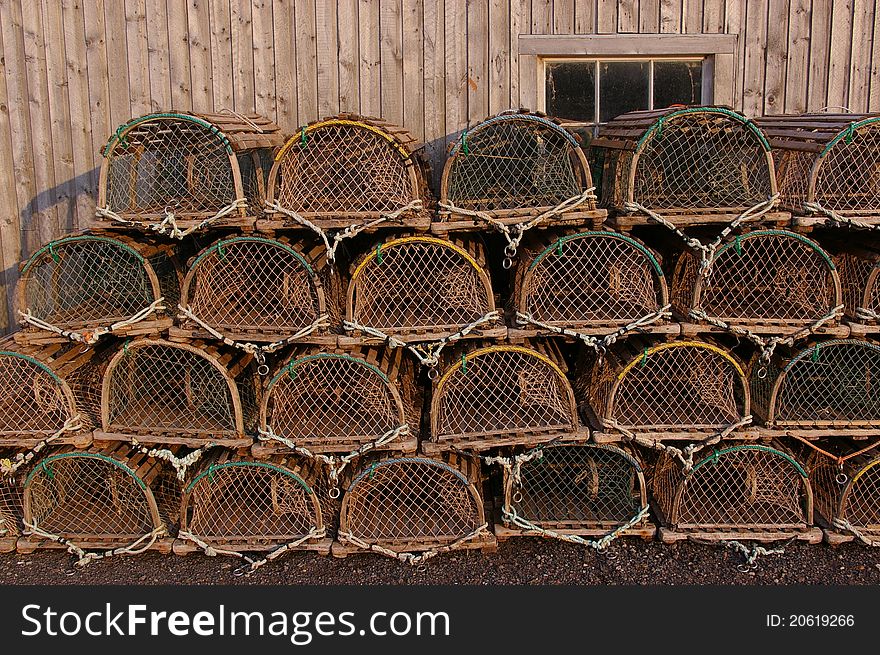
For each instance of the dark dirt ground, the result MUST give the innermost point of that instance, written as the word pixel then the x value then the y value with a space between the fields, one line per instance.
pixel 527 561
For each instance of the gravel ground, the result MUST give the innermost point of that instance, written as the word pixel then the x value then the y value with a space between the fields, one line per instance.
pixel 518 561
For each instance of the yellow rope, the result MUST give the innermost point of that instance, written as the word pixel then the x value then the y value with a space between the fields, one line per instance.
pixel 496 349
pixel 682 344
pixel 339 121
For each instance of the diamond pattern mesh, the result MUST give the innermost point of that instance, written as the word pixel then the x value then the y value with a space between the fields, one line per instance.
pixel 501 389
pixel 412 499
pixel 583 485
pixel 848 178
pixel 589 278
pixel 739 487
pixel 10 505
pixel 343 169
pixel 702 160
pixel 858 283
pixel 32 401
pixel 861 500
pixel 253 284
pixel 251 501
pixel 89 496
pixel 163 388
pixel 513 162
pixel 418 283
pixel 86 282
pixel 169 162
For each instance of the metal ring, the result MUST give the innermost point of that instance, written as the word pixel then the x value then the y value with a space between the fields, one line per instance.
pixel 510 250
pixel 507 264
pixel 334 493
pixel 609 554
pixel 743 568
pixel 762 372
pixel 517 497
pixel 433 373
pixel 841 478
pixel 421 568
pixel 241 570
pixel 263 370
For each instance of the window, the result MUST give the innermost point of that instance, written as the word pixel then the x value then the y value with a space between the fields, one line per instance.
pixel 596 90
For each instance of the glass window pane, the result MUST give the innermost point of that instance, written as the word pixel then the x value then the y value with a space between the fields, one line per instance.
pixel 677 83
pixel 570 90
pixel 623 87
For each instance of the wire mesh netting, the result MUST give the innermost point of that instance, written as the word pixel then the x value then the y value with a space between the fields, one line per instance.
pixel 514 161
pixel 90 281
pixel 571 486
pixel 499 390
pixel 261 504
pixel 419 283
pixel 412 500
pixel 161 387
pixel 256 285
pixel 590 278
pixel 10 503
pixel 93 495
pixel 740 487
pixel 767 275
pixel 696 159
pixel 321 398
pixel 859 273
pixel 347 165
pixel 674 385
pixel 830 383
pixel 849 492
pixel 34 401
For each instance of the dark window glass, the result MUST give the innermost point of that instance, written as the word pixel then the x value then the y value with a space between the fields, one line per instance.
pixel 571 90
pixel 677 83
pixel 623 87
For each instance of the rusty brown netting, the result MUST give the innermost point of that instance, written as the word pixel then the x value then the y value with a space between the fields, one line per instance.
pixel 412 501
pixel 589 278
pixel 859 272
pixel 826 384
pixel 847 495
pixel 419 283
pixel 34 401
pixel 514 161
pixel 672 386
pixel 498 390
pixel 578 486
pixel 337 400
pixel 740 487
pixel 10 505
pixel 159 387
pixel 761 276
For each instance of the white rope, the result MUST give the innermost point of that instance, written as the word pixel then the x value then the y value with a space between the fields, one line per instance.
pixel 243 118
pixel 514 232
pixel 169 223
pixel 836 220
pixel 513 465
pixel 180 464
pixel 752 554
pixel 509 515
pixel 348 232
pixel 91 336
pixel 84 557
pixel 865 314
pixel 412 558
pixel 846 526
pixel 10 466
pixel 335 464
pixel 599 343
pixel 428 353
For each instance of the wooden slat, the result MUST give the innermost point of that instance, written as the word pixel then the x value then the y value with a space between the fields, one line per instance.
pixel 776 57
pixel 520 16
pixel 862 44
pixel 754 44
pixel 391 59
pixel 243 56
pixel 285 60
pixel 435 86
pixel 456 67
pixel 606 16
pixel 798 56
pixel 327 37
pixel 349 62
pixel 181 69
pixel 585 16
pixel 201 76
pixel 413 70
pixel 642 44
pixel 671 16
pixel 820 28
pixel 158 55
pixel 10 246
pixel 478 62
pixel 306 62
pixel 628 16
pixel 368 22
pixel 839 53
pixel 499 55
pixel 649 16
pixel 137 51
pixel 563 16
pixel 221 55
pixel 117 58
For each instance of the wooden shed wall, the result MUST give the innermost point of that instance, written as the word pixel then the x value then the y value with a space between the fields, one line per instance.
pixel 73 70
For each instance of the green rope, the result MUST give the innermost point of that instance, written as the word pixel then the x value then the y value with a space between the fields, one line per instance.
pixel 738 244
pixel 767 449
pixel 216 467
pixel 303 137
pixel 50 248
pixel 815 357
pixel 48 371
pixel 603 234
pixel 644 356
pixel 464 364
pixel 221 250
pixel 125 347
pixel 104 458
pixel 783 233
pixel 271 242
pixel 464 143
pixel 378 253
pixel 52 252
pixel 559 247
pixel 291 366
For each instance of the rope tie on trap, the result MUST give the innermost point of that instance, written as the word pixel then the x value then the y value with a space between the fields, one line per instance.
pixel 833 219
pixel 84 557
pixel 841 478
pixel 865 314
pixel 428 353
pixel 180 464
pixel 514 233
pixel 168 225
pixel 751 554
pixel 845 526
pixel 89 337
pixel 412 558
pixel 331 243
pixel 10 466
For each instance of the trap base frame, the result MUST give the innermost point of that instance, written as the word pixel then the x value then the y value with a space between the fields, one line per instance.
pixel 451 222
pixel 183 547
pixel 27 545
pixel 512 438
pixel 408 446
pixel 683 218
pixel 239 223
pixel 811 535
pixel 178 334
pixel 487 544
pixel 101 437
pixel 8 544
pixel 32 336
pixel 337 221
pixel 835 538
pixel 416 336
pixel 685 434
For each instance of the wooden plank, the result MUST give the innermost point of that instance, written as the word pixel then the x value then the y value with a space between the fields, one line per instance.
pixel 713 15
pixel 435 88
pixel 776 56
pixel 754 44
pixel 627 16
pixel 306 62
pixel 244 92
pixel 221 55
pixel 606 16
pixel 455 20
pixel 10 239
pixel 391 59
pixel 542 16
pixel 413 70
pixel 137 49
pixel 820 28
pixel 839 53
pixel 264 57
pixel 798 58
pixel 862 64
pixel 117 57
pixel 671 18
pixel 649 16
pixel 99 90
pixel 368 33
pixel 635 45
pixel 349 59
pixel 328 62
pixel 285 64
pixel 520 17
pixel 874 95
pixel 181 69
pixel 585 16
pixel 499 55
pixel 158 57
pixel 735 24
pixel 477 60
pixel 202 75
pixel 563 16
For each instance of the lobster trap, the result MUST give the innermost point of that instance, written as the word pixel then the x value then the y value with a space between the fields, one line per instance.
pixel 744 492
pixel 401 506
pixel 99 502
pixel 342 401
pixel 674 390
pixel 588 490
pixel 514 171
pixel 174 173
pixel 828 167
pixel 825 387
pixel 859 270
pixel 692 165
pixel 82 287
pixel 177 393
pixel 420 288
pixel 10 506
pixel 589 282
pixel 501 395
pixel 349 172
pixel 253 289
pixel 766 281
pixel 235 505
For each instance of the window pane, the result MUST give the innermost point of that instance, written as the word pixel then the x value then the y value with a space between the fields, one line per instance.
pixel 677 83
pixel 570 90
pixel 623 87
